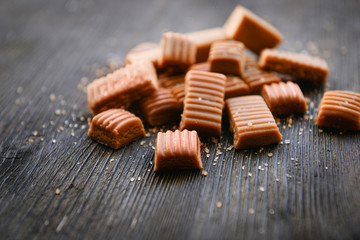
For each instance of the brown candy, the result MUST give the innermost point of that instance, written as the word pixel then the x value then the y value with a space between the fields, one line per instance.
pixel 168 80
pixel 203 40
pixel 251 122
pixel 122 87
pixel 256 78
pixel 203 66
pixel 227 57
pixel 298 65
pixel 340 109
pixel 284 98
pixel 116 128
pixel 203 102
pixel 179 92
pixel 161 107
pixel 179 150
pixel 254 32
pixel 148 51
pixel 177 51
pixel 235 87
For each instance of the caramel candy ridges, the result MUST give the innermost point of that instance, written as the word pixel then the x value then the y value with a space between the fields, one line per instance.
pixel 122 87
pixel 235 87
pixel 179 150
pixel 227 57
pixel 340 109
pixel 251 122
pixel 116 128
pixel 161 107
pixel 298 65
pixel 203 102
pixel 284 98
pixel 254 32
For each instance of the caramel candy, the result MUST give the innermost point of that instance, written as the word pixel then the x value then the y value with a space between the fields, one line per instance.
pixel 145 51
pixel 122 87
pixel 161 107
pixel 179 92
pixel 251 122
pixel 235 87
pixel 284 98
pixel 203 102
pixel 203 40
pixel 227 57
pixel 254 32
pixel 298 65
pixel 256 78
pixel 179 150
pixel 168 80
pixel 203 66
pixel 340 109
pixel 177 51
pixel 116 128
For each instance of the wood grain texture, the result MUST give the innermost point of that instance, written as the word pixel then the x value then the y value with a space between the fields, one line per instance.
pixel 308 189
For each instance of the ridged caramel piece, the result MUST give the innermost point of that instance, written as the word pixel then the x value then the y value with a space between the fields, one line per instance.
pixel 235 87
pixel 251 122
pixel 203 103
pixel 227 57
pixel 177 51
pixel 284 98
pixel 116 128
pixel 256 78
pixel 145 51
pixel 168 80
pixel 122 87
pixel 203 66
pixel 179 150
pixel 298 65
pixel 161 107
pixel 203 40
pixel 254 32
pixel 340 109
pixel 179 92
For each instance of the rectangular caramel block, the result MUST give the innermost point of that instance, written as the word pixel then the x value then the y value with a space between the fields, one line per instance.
pixel 161 107
pixel 251 122
pixel 235 87
pixel 256 78
pixel 179 150
pixel 203 102
pixel 179 92
pixel 340 109
pixel 148 51
pixel 122 87
pixel 254 32
pixel 116 128
pixel 177 51
pixel 168 80
pixel 227 57
pixel 298 65
pixel 284 98
pixel 203 40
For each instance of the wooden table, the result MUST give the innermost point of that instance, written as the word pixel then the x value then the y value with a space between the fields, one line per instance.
pixel 50 50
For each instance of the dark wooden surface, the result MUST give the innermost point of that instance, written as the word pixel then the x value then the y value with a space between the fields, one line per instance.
pixel 308 189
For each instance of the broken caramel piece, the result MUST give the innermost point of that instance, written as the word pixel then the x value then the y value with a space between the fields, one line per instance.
pixel 179 150
pixel 176 51
pixel 235 87
pixel 256 78
pixel 161 107
pixel 122 87
pixel 116 128
pixel 203 40
pixel 254 32
pixel 145 51
pixel 284 98
pixel 227 57
pixel 203 102
pixel 251 122
pixel 340 109
pixel 298 65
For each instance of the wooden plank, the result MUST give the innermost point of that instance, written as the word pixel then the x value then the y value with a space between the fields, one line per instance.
pixel 308 188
